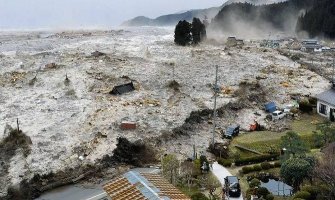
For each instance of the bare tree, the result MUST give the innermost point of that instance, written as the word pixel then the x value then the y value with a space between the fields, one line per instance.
pixel 325 172
pixel 170 165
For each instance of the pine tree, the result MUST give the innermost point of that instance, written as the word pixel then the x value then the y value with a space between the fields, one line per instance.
pixel 183 33
pixel 198 31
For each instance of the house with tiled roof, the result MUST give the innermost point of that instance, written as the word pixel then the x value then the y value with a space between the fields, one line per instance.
pixel 142 186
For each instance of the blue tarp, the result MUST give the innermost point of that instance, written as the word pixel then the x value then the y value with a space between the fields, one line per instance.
pixel 270 107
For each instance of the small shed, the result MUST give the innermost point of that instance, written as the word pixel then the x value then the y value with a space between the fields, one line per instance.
pixel 122 89
pixel 270 107
pixel 326 104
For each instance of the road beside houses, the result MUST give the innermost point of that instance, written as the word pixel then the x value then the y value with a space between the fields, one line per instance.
pixel 221 172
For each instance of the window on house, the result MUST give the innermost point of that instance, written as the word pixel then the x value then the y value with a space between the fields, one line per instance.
pixel 323 109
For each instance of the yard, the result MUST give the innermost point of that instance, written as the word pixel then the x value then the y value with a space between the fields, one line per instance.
pixel 267 141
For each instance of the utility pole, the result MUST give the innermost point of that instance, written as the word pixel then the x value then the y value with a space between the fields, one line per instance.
pixel 215 95
pixel 17 125
pixel 333 76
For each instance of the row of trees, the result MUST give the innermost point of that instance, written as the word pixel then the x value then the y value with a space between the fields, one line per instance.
pixel 189 33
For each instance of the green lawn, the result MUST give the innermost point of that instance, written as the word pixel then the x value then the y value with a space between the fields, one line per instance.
pixel 264 141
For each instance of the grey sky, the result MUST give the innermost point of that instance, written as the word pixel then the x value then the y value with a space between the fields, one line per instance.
pixel 27 14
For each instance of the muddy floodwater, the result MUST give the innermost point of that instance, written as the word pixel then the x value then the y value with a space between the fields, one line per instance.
pixel 60 92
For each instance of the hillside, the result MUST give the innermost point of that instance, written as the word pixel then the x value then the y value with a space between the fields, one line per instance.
pixel 172 19
pixel 320 20
pixel 260 21
pixel 254 2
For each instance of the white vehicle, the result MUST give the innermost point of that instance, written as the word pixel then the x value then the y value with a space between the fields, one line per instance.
pixel 276 115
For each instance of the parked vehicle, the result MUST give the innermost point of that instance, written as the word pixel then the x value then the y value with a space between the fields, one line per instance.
pixel 232 186
pixel 232 131
pixel 277 115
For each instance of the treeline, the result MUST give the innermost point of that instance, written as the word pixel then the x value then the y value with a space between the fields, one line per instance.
pixel 320 20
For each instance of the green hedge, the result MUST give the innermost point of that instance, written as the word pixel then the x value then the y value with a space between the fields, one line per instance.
pixel 256 159
pixel 269 197
pixel 225 162
pixel 247 170
pixel 277 164
pixel 266 165
pixel 257 168
pixel 262 166
pixel 313 190
pixel 302 195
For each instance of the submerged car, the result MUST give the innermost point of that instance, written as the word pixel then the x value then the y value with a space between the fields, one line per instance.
pixel 232 186
pixel 232 131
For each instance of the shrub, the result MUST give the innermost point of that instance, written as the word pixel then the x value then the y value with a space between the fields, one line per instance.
pixel 313 100
pixel 262 191
pixel 225 162
pixel 313 190
pixel 256 159
pixel 269 197
pixel 277 164
pixel 254 182
pixel 305 106
pixel 257 168
pixel 265 165
pixel 247 170
pixel 302 195
pixel 199 196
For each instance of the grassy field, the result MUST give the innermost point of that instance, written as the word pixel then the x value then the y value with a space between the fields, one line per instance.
pixel 265 141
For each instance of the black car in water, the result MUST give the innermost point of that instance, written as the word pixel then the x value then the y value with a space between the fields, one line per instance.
pixel 232 186
pixel 231 131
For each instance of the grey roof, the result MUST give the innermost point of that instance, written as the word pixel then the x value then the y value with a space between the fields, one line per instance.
pixel 327 96
pixel 312 46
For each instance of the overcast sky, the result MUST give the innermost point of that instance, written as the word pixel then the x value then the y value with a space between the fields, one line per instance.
pixel 32 14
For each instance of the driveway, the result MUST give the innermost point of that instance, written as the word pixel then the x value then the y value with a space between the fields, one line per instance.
pixel 221 172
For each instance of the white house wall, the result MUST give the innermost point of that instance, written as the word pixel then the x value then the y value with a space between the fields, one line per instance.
pixel 329 106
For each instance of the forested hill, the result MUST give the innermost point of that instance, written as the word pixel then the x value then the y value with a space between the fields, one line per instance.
pixel 173 19
pixel 247 18
pixel 320 20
